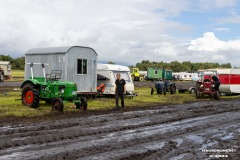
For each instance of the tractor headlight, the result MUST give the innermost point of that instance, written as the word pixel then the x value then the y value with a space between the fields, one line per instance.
pixel 62 90
pixel 201 85
pixel 74 92
pixel 213 85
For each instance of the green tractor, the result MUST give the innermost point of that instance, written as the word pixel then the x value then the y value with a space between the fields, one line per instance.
pixel 51 90
pixel 136 76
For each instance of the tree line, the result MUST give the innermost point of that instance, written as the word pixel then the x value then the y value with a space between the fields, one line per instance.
pixel 176 66
pixel 17 63
pixel 186 66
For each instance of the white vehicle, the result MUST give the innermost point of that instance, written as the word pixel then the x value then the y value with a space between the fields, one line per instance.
pixel 230 80
pixel 106 73
pixel 195 77
pixel 5 70
pixel 183 76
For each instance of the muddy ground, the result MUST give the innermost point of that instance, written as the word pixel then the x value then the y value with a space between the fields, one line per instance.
pixel 10 84
pixel 187 131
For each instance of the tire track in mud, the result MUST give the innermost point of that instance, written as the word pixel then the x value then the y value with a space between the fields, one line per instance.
pixel 115 134
pixel 211 107
pixel 121 123
pixel 10 84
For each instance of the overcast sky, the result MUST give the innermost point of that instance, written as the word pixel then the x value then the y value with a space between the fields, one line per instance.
pixel 126 31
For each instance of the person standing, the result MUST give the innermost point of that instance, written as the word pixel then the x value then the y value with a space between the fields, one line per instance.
pixel 216 82
pixel 120 90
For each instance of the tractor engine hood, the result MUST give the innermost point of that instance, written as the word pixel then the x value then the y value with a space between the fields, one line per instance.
pixel 66 84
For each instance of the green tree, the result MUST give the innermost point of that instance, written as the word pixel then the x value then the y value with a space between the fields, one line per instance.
pixel 18 63
pixel 185 66
pixel 5 58
pixel 110 62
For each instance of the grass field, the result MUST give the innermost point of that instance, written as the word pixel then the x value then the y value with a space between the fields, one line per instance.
pixel 11 106
pixel 17 75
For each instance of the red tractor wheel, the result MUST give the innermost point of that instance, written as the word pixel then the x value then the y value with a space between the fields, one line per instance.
pixel 57 104
pixel 30 96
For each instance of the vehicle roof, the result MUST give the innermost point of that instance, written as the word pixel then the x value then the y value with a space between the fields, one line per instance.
pixel 224 71
pixel 181 73
pixel 53 50
pixel 112 67
pixel 4 62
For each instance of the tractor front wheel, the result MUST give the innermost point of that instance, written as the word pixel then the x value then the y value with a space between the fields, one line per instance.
pixel 57 104
pixel 30 96
pixel 133 78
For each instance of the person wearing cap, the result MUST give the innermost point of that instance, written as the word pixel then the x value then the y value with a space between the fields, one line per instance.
pixel 120 90
pixel 216 82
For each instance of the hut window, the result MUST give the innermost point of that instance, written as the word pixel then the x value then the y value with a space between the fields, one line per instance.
pixel 156 72
pixel 81 66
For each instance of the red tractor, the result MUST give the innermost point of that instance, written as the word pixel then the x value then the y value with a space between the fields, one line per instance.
pixel 206 86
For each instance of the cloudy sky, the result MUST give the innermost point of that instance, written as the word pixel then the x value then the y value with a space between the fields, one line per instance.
pixel 126 31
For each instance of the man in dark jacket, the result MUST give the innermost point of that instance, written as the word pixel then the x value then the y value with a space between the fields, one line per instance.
pixel 120 90
pixel 216 82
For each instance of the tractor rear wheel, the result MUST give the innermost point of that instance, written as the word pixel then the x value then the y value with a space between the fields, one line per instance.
pixel 152 91
pixel 164 91
pixel 57 104
pixel 1 77
pixel 173 89
pixel 141 79
pixel 30 96
pixel 84 103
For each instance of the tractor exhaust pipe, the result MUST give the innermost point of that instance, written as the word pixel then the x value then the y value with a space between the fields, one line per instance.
pixel 44 73
pixel 31 66
pixel 43 66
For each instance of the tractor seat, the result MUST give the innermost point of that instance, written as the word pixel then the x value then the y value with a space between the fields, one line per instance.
pixel 55 75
